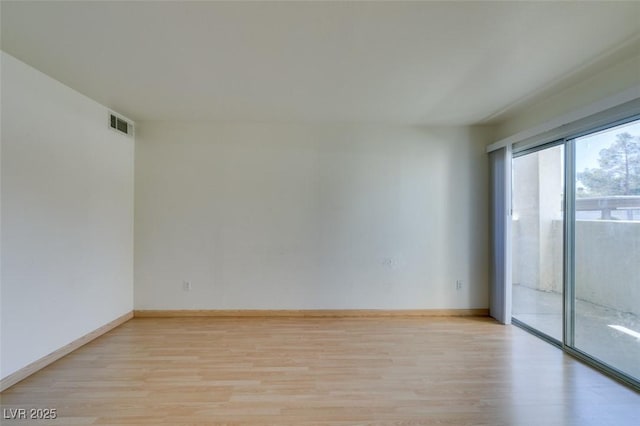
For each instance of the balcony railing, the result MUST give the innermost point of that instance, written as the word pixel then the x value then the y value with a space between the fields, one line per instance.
pixel 624 203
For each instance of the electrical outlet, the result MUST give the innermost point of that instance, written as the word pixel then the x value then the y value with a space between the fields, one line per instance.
pixel 458 284
pixel 186 285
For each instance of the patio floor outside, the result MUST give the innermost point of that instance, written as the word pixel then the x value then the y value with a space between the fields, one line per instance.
pixel 593 332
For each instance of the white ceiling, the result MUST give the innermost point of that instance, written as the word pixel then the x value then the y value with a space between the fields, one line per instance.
pixel 397 62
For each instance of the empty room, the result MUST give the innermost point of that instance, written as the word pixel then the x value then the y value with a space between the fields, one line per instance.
pixel 306 213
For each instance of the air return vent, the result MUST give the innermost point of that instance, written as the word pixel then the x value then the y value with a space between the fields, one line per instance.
pixel 120 124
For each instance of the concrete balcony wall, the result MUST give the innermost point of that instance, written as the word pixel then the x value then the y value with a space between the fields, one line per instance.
pixel 608 263
pixel 607 251
pixel 537 204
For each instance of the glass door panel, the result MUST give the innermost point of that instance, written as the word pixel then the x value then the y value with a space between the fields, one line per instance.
pixel 537 240
pixel 607 247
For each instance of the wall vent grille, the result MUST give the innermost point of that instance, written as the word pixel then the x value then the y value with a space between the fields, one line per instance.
pixel 120 124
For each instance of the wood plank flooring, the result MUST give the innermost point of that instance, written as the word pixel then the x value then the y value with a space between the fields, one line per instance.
pixel 314 371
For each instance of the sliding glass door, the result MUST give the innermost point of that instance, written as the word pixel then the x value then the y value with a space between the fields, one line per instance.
pixel 537 244
pixel 606 293
pixel 576 246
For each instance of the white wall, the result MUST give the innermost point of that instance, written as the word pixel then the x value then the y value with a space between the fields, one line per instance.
pixel 268 216
pixel 67 216
pixel 610 81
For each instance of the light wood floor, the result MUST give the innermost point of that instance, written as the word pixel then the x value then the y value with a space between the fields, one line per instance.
pixel 297 371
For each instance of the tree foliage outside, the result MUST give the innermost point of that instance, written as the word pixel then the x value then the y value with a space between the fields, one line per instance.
pixel 619 171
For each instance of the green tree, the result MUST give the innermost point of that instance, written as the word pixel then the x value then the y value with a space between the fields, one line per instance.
pixel 619 171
